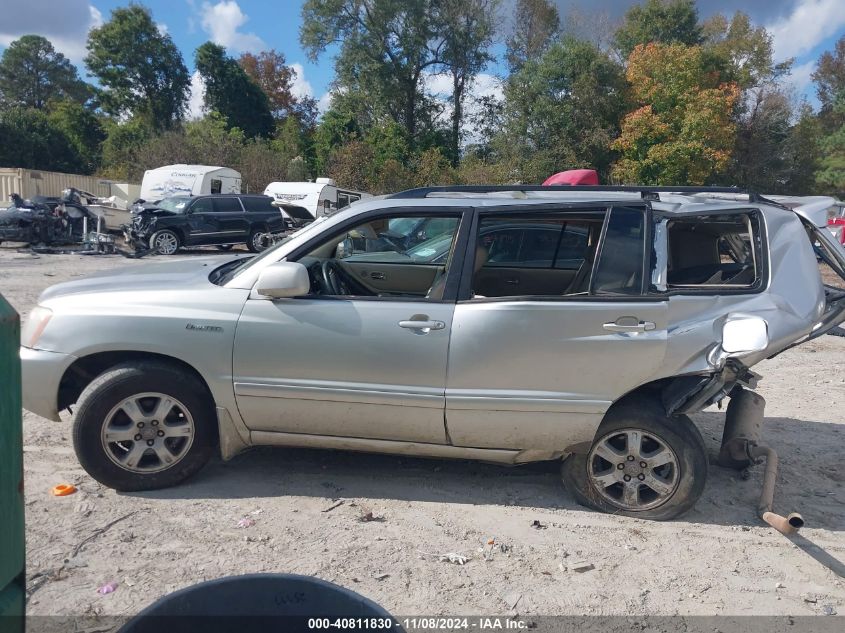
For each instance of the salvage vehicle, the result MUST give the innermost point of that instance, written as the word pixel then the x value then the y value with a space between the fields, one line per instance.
pixel 46 220
pixel 222 220
pixel 578 323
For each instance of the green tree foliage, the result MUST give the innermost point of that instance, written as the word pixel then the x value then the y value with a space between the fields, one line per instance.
pixel 120 149
pixel 661 22
pixel 140 69
pixel 385 47
pixel 682 130
pixel 32 142
pixel 801 153
pixel 230 91
pixel 759 161
pixel 32 73
pixel 83 128
pixel 536 24
pixel 832 164
pixel 829 77
pixel 561 112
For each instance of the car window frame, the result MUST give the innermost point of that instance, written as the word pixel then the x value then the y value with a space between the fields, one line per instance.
pixel 573 208
pixel 454 268
pixel 243 200
pixel 221 198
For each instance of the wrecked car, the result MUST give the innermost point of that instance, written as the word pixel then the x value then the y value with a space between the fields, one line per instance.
pixel 576 323
pixel 221 220
pixel 46 220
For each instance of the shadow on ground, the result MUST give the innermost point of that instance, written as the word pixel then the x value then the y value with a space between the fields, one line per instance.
pixel 809 481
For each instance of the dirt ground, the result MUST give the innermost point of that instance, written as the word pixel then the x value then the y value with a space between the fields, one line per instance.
pixel 718 559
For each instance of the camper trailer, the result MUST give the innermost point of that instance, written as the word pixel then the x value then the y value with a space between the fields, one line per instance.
pixel 317 198
pixel 188 180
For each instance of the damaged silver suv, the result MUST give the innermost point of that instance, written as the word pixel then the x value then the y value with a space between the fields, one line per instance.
pixel 515 324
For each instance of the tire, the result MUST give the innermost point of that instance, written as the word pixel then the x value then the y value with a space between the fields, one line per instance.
pixel 187 432
pixel 254 243
pixel 837 331
pixel 165 242
pixel 680 481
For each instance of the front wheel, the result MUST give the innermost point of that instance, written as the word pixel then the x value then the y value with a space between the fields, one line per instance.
pixel 144 426
pixel 642 463
pixel 164 242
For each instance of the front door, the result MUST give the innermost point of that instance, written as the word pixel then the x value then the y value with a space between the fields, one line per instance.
pixel 217 221
pixel 537 370
pixel 363 355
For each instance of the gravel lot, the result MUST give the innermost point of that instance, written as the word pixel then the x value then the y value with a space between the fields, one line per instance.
pixel 719 559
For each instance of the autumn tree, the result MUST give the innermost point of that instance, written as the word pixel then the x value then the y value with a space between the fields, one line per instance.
pixel 660 22
pixel 231 92
pixel 536 24
pixel 139 68
pixel 269 69
pixel 829 78
pixel 681 131
pixel 32 72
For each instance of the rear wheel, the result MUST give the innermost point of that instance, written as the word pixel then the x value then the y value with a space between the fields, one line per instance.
pixel 164 242
pixel 642 463
pixel 144 426
pixel 257 241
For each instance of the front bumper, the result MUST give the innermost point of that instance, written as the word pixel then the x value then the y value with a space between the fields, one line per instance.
pixel 41 374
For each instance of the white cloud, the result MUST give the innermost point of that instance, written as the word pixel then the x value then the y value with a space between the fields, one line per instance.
pixel 162 28
pixel 800 77
pixel 484 85
pixel 324 102
pixel 196 101
pixel 301 87
pixel 65 24
pixel 222 22
pixel 807 26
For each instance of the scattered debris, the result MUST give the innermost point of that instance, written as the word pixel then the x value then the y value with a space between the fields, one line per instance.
pixel 808 597
pixel 128 582
pixel 512 599
pixel 100 531
pixel 381 576
pixel 829 609
pixel 109 587
pixel 126 537
pixel 581 567
pixel 84 507
pixel 246 522
pixel 537 525
pixel 332 507
pixel 779 585
pixel 255 513
pixel 367 516
pixel 63 490
pixel 452 557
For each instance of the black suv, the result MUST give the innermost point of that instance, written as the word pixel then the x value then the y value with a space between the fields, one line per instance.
pixel 222 220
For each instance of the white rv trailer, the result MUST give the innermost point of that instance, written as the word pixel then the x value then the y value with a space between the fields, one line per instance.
pixel 317 198
pixel 188 180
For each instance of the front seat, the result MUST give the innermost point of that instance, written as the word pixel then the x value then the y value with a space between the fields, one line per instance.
pixel 439 286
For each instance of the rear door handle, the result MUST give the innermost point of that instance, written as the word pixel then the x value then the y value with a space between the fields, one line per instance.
pixel 623 325
pixel 422 327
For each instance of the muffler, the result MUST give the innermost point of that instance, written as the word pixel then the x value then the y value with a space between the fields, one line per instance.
pixel 741 448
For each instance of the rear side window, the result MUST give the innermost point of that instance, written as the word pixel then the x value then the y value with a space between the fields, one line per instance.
pixel 717 251
pixel 258 204
pixel 227 205
pixel 620 266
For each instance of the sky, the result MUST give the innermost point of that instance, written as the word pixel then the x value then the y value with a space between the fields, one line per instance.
pixel 800 28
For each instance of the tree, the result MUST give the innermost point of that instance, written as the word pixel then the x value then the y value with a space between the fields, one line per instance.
pixel 231 92
pixel 269 70
pixel 561 111
pixel 385 47
pixel 801 153
pixel 830 83
pixel 32 142
pixel 759 161
pixel 140 69
pixel 536 23
pixel 682 131
pixel 470 28
pixel 83 128
pixel 32 72
pixel 661 22
pixel 832 163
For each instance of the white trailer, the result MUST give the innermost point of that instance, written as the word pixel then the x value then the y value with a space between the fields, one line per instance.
pixel 188 180
pixel 317 198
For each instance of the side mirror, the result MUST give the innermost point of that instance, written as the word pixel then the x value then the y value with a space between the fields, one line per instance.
pixel 283 280
pixel 744 335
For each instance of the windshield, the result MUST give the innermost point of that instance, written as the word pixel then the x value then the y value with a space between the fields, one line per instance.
pixel 174 204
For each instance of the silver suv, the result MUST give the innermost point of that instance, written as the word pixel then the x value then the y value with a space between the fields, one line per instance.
pixel 524 324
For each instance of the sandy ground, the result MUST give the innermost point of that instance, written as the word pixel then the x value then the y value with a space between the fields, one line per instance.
pixel 718 559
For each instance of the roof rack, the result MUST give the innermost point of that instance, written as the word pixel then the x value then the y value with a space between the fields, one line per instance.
pixel 646 192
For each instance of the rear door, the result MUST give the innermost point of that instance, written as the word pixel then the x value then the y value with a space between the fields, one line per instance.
pixel 538 371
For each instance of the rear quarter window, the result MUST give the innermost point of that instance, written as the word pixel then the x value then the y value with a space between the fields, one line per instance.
pixel 258 204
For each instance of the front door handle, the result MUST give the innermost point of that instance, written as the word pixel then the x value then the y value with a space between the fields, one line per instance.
pixel 629 324
pixel 422 327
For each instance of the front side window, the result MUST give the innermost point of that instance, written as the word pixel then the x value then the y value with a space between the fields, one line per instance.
pixel 371 259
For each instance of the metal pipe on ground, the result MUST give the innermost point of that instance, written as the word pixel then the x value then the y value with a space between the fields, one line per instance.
pixel 788 524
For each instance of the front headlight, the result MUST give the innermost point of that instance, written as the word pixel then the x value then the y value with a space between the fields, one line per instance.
pixel 34 326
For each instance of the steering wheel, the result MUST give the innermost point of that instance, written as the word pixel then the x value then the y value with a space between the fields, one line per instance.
pixel 333 278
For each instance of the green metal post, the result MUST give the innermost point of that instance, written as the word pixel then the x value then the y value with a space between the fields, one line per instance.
pixel 12 578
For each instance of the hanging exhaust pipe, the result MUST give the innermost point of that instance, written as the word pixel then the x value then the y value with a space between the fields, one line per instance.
pixel 741 448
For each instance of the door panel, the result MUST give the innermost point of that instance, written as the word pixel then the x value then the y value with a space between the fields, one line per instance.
pixel 535 375
pixel 503 281
pixel 393 278
pixel 343 367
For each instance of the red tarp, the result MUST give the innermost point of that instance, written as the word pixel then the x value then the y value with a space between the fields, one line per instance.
pixel 573 177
